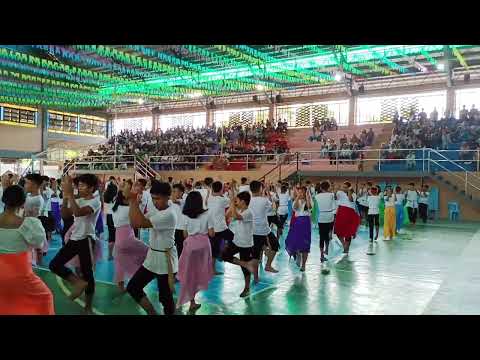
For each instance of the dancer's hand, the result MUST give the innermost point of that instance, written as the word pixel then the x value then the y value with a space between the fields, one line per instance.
pixel 67 186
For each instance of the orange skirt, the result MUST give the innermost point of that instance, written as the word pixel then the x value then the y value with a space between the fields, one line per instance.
pixel 22 292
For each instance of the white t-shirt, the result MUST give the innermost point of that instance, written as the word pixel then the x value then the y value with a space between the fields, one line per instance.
pixel 145 202
pixel 301 210
pixel 283 204
pixel 108 208
pixel 162 237
pixel 260 207
pixel 120 217
pixel 326 207
pixel 400 198
pixel 47 204
pixel 204 193
pixel 243 232
pixel 389 201
pixel 216 206
pixel 200 225
pixel 33 205
pixel 178 208
pixel 412 199
pixel 343 200
pixel 243 188
pixel 85 225
pixel 423 198
pixel 362 199
pixel 373 203
pixel 271 212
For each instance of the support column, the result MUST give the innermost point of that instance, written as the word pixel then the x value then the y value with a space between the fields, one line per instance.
pixel 352 108
pixel 450 107
pixel 43 125
pixel 210 117
pixel 272 110
pixel 156 120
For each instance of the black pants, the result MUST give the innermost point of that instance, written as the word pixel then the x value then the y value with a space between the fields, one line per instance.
pixel 423 212
pixel 281 220
pixel 373 221
pixel 179 239
pixel 67 252
pixel 226 237
pixel 412 215
pixel 136 232
pixel 67 224
pixel 141 278
pixel 324 230
pixel 245 255
pixel 111 229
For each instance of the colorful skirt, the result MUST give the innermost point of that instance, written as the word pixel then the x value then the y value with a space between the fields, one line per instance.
pixel 22 292
pixel 346 223
pixel 299 236
pixel 99 226
pixel 97 250
pixel 129 253
pixel 389 225
pixel 57 216
pixel 195 267
pixel 400 216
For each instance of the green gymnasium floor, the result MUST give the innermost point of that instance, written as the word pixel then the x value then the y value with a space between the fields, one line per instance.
pixel 430 269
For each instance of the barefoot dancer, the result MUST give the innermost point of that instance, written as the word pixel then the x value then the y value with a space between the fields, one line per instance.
pixel 85 211
pixel 243 238
pixel 161 262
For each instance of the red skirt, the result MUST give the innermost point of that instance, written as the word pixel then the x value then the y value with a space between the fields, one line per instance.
pixel 22 292
pixel 347 222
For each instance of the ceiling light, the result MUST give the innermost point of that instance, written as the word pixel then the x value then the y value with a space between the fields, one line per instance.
pixel 440 66
pixel 196 94
pixel 141 101
pixel 338 77
pixel 260 87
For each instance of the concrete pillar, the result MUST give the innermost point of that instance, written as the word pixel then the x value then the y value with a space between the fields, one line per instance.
pixel 43 124
pixel 272 110
pixel 210 117
pixel 352 108
pixel 450 106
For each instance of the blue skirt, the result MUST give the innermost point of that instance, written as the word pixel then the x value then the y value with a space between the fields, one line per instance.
pixel 99 226
pixel 57 216
pixel 299 236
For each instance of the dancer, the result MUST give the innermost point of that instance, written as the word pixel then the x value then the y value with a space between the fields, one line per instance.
pixel 260 205
pixel 326 207
pixel 298 240
pixel 389 219
pixel 161 262
pixel 363 203
pixel 129 252
pixel 411 197
pixel 217 204
pixel 34 205
pixel 346 219
pixel 282 210
pixel 195 266
pixel 109 201
pixel 144 200
pixel 244 186
pixel 242 242
pixel 85 210
pixel 399 208
pixel 203 191
pixel 54 183
pixel 272 215
pixel 423 203
pixel 21 290
pixel 373 217
pixel 177 204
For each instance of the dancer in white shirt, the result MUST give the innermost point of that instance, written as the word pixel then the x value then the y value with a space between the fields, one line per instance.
pixel 411 197
pixel 399 208
pixel 373 202
pixel 423 203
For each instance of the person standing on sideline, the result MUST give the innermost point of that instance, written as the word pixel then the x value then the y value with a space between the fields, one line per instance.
pixel 411 197
pixel 423 203
pixel 161 262
pixel 399 208
pixel 389 220
pixel 85 210
pixel 326 207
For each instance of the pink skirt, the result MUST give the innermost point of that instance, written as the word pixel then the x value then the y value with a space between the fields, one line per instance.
pixel 129 253
pixel 195 267
pixel 97 250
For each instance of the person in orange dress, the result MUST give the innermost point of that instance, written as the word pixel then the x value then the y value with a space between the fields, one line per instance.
pixel 22 292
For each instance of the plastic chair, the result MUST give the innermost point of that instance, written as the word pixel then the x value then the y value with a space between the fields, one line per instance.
pixel 453 210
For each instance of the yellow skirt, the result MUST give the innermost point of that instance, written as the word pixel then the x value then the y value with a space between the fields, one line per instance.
pixel 389 222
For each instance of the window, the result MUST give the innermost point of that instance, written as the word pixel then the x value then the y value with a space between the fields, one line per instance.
pixel 133 124
pixel 467 98
pixel 19 115
pixel 243 117
pixel 195 120
pixel 382 109
pixel 304 115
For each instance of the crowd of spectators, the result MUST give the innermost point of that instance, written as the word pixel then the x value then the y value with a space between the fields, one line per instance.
pixel 182 147
pixel 422 131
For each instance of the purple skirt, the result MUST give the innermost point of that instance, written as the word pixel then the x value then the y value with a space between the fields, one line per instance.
pixel 57 216
pixel 99 225
pixel 299 236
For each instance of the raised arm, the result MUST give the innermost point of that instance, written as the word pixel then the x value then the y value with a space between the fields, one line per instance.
pixel 137 219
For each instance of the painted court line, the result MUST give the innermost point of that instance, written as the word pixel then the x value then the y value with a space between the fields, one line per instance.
pixel 78 301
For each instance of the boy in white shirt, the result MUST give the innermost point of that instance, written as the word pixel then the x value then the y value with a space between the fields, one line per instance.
pixel 373 203
pixel 85 210
pixel 411 197
pixel 260 205
pixel 282 210
pixel 177 204
pixel 243 238
pixel 217 204
pixel 423 203
pixel 34 205
pixel 204 192
pixel 161 262
pixel 244 186
pixel 144 200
